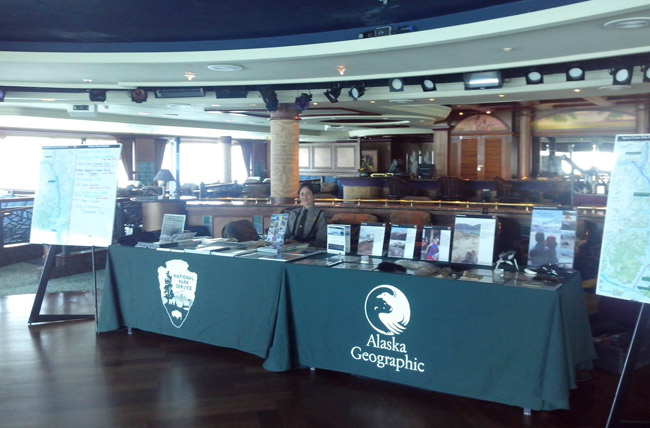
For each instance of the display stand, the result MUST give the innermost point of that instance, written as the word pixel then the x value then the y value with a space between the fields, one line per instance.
pixel 36 316
pixel 614 420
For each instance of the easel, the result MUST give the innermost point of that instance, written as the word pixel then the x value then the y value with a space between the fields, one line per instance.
pixel 36 316
pixel 614 420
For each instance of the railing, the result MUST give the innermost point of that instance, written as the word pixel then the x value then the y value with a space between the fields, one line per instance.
pixel 17 219
pixel 451 205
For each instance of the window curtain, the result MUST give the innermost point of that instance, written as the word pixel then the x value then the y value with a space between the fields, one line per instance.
pixel 127 155
pixel 246 151
pixel 159 152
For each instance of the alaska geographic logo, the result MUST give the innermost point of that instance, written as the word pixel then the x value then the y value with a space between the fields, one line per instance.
pixel 387 310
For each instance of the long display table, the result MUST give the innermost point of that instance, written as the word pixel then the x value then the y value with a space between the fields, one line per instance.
pixel 513 345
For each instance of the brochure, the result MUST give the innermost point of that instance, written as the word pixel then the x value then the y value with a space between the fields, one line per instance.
pixel 173 224
pixel 371 239
pixel 277 229
pixel 436 243
pixel 402 241
pixel 338 238
pixel 473 241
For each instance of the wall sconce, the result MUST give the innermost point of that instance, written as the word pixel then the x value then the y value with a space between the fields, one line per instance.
pixel 357 91
pixel 534 77
pixel 396 85
pixel 333 93
pixel 621 75
pixel 575 73
pixel 428 85
pixel 138 95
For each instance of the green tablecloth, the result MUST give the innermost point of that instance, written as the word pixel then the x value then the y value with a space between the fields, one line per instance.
pixel 224 301
pixel 513 345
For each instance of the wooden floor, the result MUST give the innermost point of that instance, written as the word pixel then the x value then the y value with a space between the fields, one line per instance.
pixel 64 375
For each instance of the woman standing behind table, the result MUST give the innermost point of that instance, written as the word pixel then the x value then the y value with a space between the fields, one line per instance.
pixel 307 223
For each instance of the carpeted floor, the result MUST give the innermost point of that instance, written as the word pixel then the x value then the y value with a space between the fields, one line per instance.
pixel 22 278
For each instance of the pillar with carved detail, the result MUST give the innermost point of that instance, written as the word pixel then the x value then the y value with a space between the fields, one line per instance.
pixel 224 146
pixel 525 142
pixel 285 133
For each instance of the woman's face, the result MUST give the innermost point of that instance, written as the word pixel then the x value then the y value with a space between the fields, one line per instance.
pixel 306 197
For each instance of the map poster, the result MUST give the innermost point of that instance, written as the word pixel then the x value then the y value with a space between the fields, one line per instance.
pixel 75 199
pixel 624 270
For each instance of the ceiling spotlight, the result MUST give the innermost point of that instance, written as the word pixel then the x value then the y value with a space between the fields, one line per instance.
pixel 138 95
pixel 396 85
pixel 483 80
pixel 534 77
pixel 357 91
pixel 98 95
pixel 270 98
pixel 428 85
pixel 231 92
pixel 575 73
pixel 621 76
pixel 333 93
pixel 2 94
pixel 646 73
pixel 302 102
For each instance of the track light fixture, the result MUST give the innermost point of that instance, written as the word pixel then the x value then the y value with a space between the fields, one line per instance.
pixel 302 102
pixel 534 77
pixel 621 75
pixel 428 85
pixel 2 94
pixel 98 95
pixel 333 93
pixel 270 98
pixel 231 92
pixel 138 95
pixel 356 91
pixel 483 80
pixel 396 85
pixel 575 73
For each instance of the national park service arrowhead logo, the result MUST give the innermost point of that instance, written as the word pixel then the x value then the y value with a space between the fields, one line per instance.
pixel 177 290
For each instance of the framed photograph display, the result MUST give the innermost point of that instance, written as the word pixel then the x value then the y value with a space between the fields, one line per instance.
pixel 436 243
pixel 371 239
pixel 402 240
pixel 552 237
pixel 473 241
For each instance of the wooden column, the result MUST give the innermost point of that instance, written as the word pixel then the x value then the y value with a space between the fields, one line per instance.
pixel 642 119
pixel 285 133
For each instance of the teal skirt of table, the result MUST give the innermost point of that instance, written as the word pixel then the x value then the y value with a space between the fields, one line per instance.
pixel 513 345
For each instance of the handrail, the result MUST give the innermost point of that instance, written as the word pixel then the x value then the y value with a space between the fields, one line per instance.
pixel 495 206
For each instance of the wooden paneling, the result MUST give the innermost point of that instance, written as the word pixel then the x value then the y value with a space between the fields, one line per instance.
pixel 469 151
pixel 493 158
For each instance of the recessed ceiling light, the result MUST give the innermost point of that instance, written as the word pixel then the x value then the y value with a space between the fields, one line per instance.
pixel 461 113
pixel 144 113
pixel 88 80
pixel 502 96
pixel 373 101
pixel 488 112
pixel 577 90
pixel 432 99
pixel 190 75
pixel 507 49
pixel 176 105
pixel 48 100
pixel 341 69
pixel 627 23
pixel 215 105
pixel 315 104
pixel 171 114
pixel 225 67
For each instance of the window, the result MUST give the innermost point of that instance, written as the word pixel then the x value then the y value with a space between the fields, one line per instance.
pixel 199 162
